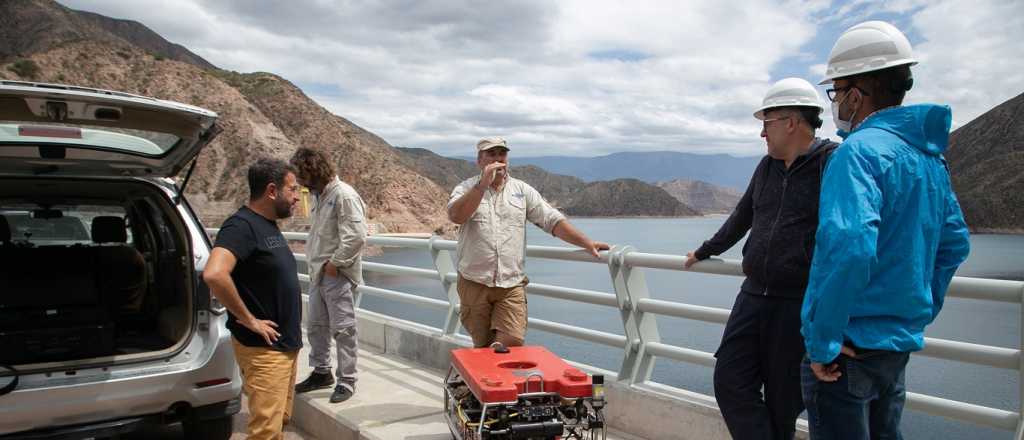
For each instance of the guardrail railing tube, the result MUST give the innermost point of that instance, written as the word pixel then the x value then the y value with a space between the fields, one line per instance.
pixel 630 287
pixel 642 342
pixel 1019 435
pixel 444 263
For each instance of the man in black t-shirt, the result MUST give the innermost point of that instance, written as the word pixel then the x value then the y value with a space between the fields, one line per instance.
pixel 252 272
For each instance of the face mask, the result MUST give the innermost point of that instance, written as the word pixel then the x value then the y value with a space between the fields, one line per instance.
pixel 844 127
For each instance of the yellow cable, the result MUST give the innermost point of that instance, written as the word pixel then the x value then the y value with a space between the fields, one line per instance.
pixel 465 420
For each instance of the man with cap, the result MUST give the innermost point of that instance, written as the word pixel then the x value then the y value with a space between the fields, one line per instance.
pixel 761 346
pixel 890 237
pixel 492 210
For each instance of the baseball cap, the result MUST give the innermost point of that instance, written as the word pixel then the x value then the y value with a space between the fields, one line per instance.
pixel 491 142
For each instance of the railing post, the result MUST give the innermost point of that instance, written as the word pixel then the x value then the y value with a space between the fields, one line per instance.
pixel 444 264
pixel 1019 435
pixel 640 328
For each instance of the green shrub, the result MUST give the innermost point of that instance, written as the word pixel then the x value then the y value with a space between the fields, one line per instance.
pixel 24 68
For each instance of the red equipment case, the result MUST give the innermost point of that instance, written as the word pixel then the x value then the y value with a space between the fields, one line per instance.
pixel 502 377
pixel 519 393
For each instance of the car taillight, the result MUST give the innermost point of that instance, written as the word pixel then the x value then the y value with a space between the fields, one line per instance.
pixel 210 383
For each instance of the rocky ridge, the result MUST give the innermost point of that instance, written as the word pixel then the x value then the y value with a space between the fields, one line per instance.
pixel 986 157
pixel 611 198
pixel 702 196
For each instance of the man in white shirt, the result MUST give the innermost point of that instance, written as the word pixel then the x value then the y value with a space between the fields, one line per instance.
pixel 492 209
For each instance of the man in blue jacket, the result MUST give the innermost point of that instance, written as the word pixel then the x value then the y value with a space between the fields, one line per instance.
pixel 890 237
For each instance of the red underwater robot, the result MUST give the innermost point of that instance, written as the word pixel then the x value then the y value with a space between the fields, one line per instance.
pixel 521 393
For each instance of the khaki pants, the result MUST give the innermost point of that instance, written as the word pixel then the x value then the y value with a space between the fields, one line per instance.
pixel 483 309
pixel 268 381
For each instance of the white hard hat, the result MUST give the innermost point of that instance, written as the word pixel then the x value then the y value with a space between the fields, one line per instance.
pixel 867 47
pixel 790 92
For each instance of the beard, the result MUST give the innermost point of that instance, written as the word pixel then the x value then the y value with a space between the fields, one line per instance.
pixel 282 209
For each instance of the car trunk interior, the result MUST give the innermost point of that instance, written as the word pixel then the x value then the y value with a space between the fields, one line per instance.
pixel 93 272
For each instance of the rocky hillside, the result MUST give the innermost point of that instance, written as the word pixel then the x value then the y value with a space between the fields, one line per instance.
pixel 444 171
pixel 626 197
pixel 562 191
pixel 448 172
pixel 986 157
pixel 702 196
pixel 622 197
pixel 261 113
pixel 31 26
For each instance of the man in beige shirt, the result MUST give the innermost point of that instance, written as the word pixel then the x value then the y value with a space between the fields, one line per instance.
pixel 337 235
pixel 493 209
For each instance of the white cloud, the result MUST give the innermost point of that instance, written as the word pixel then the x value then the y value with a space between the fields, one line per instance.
pixel 576 76
pixel 972 57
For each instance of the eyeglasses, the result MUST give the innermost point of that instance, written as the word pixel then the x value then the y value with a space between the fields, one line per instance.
pixel 832 93
pixel 765 122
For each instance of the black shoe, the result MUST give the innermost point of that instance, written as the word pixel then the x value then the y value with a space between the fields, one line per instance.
pixel 341 393
pixel 315 381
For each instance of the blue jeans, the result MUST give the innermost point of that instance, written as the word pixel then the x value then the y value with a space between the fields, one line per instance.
pixel 865 403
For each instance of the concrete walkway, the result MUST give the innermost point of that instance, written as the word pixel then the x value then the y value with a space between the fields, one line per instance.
pixel 394 399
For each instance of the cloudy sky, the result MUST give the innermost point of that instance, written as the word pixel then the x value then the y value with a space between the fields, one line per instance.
pixel 580 77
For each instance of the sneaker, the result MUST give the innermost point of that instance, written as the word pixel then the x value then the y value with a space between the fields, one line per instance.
pixel 315 381
pixel 341 393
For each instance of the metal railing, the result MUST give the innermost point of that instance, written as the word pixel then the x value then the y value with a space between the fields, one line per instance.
pixel 642 344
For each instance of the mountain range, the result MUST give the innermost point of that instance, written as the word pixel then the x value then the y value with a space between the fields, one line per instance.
pixel 652 167
pixel 610 198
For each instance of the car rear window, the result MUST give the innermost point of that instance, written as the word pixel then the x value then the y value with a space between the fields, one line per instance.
pixel 36 225
pixel 147 143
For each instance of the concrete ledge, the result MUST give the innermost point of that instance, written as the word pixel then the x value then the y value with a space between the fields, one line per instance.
pixel 394 399
pixel 419 343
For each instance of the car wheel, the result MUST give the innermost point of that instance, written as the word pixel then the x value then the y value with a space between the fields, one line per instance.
pixel 212 429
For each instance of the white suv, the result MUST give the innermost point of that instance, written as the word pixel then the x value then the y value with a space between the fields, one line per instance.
pixel 105 323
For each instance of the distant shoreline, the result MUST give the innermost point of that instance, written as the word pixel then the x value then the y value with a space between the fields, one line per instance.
pixel 987 231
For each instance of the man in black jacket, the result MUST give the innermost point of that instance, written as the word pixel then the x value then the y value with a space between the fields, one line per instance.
pixel 762 346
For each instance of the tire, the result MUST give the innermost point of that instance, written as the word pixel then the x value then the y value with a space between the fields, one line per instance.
pixel 212 429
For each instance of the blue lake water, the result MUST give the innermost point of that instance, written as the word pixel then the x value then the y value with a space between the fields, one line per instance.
pixel 990 323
